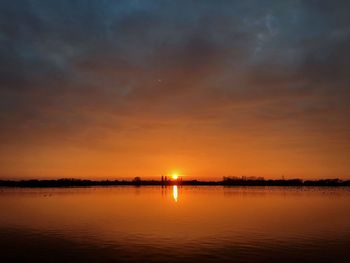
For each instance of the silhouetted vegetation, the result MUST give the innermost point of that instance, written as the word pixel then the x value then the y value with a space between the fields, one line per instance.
pixel 137 181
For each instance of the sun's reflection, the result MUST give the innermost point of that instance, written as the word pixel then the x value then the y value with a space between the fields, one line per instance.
pixel 175 193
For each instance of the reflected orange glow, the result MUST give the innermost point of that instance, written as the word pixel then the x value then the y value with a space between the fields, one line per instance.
pixel 70 209
pixel 175 193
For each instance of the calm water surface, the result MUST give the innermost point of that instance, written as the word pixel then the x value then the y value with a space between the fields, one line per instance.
pixel 175 224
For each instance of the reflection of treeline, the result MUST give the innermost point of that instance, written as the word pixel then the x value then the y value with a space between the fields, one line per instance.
pixel 137 181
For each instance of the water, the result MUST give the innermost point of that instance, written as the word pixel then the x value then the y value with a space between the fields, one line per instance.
pixel 175 224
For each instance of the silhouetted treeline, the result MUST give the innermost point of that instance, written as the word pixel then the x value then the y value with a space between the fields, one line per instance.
pixel 262 182
pixel 256 181
pixel 227 181
pixel 72 183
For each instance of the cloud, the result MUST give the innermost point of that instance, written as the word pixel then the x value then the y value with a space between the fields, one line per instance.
pixel 69 68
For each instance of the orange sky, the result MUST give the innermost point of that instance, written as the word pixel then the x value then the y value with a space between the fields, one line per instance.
pixel 192 149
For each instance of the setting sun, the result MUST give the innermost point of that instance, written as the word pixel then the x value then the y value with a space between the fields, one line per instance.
pixel 175 176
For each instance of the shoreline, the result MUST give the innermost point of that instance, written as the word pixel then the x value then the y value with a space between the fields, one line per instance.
pixel 228 182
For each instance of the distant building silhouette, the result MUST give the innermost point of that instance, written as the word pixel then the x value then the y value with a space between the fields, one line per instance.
pixel 137 180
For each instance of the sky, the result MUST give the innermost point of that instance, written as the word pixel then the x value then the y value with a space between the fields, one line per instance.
pixel 115 89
